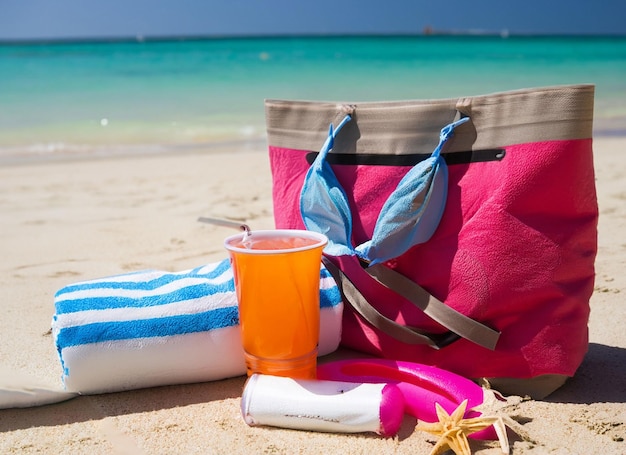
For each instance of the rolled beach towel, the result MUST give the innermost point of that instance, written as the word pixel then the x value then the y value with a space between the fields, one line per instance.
pixel 154 328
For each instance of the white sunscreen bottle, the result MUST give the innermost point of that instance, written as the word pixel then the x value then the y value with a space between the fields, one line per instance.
pixel 327 406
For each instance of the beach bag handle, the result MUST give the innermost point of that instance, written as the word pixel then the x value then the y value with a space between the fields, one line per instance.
pixel 458 325
pixel 410 216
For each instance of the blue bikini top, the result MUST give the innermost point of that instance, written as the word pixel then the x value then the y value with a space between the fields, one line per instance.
pixel 409 217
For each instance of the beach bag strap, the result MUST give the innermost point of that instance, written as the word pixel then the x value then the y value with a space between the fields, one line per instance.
pixel 405 334
pixel 458 324
pixel 454 321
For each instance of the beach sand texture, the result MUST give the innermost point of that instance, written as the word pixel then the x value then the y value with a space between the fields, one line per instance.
pixel 66 221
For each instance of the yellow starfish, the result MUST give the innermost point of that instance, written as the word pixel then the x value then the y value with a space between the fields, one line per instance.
pixel 453 430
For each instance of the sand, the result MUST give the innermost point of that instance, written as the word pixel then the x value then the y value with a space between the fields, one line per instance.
pixel 76 219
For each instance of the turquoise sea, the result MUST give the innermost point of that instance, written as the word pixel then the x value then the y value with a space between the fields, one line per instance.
pixel 143 95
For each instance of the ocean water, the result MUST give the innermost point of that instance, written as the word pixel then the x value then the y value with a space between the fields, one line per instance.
pixel 137 96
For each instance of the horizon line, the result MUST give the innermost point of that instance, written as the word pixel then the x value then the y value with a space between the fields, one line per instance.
pixel 504 34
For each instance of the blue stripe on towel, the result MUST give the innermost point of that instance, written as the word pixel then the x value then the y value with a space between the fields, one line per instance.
pixel 185 293
pixel 148 328
pixel 148 285
pixel 330 297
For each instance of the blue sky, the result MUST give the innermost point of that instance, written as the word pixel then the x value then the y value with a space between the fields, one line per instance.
pixel 43 19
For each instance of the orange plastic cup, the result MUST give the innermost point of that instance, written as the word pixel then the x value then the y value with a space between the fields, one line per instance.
pixel 277 279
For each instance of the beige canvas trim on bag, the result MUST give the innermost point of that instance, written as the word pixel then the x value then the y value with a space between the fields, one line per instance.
pixel 404 127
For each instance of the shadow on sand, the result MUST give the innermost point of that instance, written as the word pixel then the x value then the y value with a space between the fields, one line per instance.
pixel 601 378
pixel 96 407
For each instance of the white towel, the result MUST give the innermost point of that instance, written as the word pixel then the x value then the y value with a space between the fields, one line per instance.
pixel 155 328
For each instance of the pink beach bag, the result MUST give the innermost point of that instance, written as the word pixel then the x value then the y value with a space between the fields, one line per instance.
pixel 496 279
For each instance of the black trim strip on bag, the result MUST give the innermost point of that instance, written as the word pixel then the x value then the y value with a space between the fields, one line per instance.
pixel 372 159
pixel 457 322
pixel 402 333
